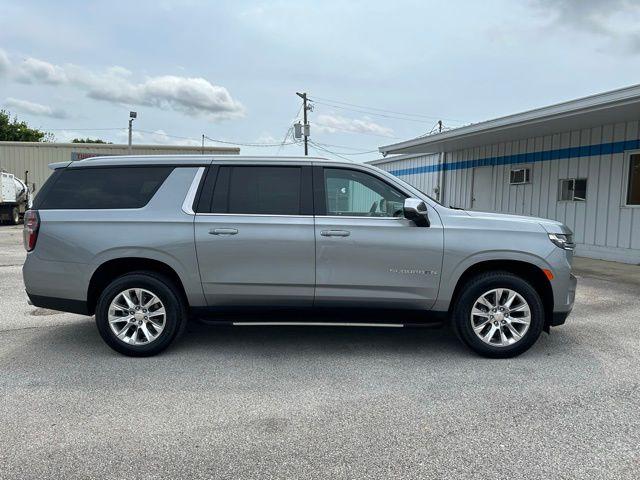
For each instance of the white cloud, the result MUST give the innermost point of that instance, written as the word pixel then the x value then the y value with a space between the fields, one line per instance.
pixel 190 95
pixel 33 108
pixel 193 96
pixel 4 62
pixel 334 123
pixel 33 70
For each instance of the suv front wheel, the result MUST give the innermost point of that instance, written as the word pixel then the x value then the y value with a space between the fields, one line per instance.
pixel 498 315
pixel 140 314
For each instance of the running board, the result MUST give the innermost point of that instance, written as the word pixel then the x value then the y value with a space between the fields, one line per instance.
pixel 319 324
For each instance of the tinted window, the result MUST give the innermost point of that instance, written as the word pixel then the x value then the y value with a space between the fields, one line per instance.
pixel 258 190
pixel 354 193
pixel 633 191
pixel 111 188
pixel 42 194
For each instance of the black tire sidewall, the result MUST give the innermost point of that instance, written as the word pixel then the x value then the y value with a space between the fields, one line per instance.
pixel 15 216
pixel 479 285
pixel 164 290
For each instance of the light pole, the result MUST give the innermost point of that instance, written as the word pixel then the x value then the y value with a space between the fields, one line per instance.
pixel 132 117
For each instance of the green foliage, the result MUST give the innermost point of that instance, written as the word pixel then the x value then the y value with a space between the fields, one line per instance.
pixel 16 131
pixel 88 140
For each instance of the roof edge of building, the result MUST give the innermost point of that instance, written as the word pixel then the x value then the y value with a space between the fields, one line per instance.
pixel 571 107
pixel 404 156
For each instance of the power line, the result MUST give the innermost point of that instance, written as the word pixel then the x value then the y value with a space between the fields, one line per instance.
pixel 353 131
pixel 82 129
pixel 318 147
pixel 372 113
pixel 164 134
pixel 284 140
pixel 419 115
pixel 247 144
pixel 290 129
pixel 345 146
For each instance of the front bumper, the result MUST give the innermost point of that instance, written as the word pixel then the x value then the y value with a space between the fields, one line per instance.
pixel 558 318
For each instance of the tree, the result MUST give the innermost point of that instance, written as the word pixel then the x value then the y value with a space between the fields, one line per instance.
pixel 88 140
pixel 16 131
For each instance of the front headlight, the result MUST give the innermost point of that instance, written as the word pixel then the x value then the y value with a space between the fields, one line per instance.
pixel 562 240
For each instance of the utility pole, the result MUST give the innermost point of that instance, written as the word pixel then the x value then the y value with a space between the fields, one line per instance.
pixel 303 96
pixel 203 144
pixel 132 117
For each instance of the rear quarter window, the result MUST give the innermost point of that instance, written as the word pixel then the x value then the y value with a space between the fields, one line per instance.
pixel 103 188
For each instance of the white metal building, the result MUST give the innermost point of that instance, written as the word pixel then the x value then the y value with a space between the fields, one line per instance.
pixel 18 157
pixel 577 162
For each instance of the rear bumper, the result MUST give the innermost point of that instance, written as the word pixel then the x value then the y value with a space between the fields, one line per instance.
pixel 60 304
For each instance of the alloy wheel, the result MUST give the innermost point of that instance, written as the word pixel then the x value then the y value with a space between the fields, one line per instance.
pixel 137 316
pixel 500 317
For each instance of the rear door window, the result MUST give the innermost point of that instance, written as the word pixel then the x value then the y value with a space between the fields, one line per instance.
pixel 262 190
pixel 104 188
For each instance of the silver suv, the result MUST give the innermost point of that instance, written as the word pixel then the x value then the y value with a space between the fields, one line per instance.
pixel 144 243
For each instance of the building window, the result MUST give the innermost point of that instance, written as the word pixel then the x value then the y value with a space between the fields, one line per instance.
pixel 520 175
pixel 573 190
pixel 633 188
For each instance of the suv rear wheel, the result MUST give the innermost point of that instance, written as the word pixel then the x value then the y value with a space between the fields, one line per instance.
pixel 498 315
pixel 140 314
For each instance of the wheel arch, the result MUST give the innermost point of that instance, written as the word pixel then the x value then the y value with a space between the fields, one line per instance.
pixel 114 268
pixel 523 269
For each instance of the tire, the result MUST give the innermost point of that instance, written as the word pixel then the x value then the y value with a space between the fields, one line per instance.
pixel 161 329
pixel 502 343
pixel 15 216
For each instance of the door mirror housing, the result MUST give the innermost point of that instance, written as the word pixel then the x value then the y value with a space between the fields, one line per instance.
pixel 415 210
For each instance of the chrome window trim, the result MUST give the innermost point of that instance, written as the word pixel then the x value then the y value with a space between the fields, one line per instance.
pixel 358 217
pixel 207 214
pixel 187 205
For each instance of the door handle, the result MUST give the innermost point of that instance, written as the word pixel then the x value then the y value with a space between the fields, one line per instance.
pixel 223 231
pixel 335 233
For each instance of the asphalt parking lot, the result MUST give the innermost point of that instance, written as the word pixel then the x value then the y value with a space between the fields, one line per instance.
pixel 293 402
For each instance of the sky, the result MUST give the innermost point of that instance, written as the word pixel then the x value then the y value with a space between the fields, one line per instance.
pixel 377 72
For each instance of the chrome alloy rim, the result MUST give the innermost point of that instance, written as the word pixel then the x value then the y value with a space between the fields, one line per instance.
pixel 500 317
pixel 137 316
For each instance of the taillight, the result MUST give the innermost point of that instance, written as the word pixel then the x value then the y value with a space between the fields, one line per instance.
pixel 31 227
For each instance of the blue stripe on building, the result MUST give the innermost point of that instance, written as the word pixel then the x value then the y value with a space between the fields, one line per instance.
pixel 533 157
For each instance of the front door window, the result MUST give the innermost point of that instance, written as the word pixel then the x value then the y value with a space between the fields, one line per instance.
pixel 357 194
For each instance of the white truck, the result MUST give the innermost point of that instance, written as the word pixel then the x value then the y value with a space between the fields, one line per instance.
pixel 15 198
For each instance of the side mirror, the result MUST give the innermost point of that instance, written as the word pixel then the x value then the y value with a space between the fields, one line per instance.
pixel 415 210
